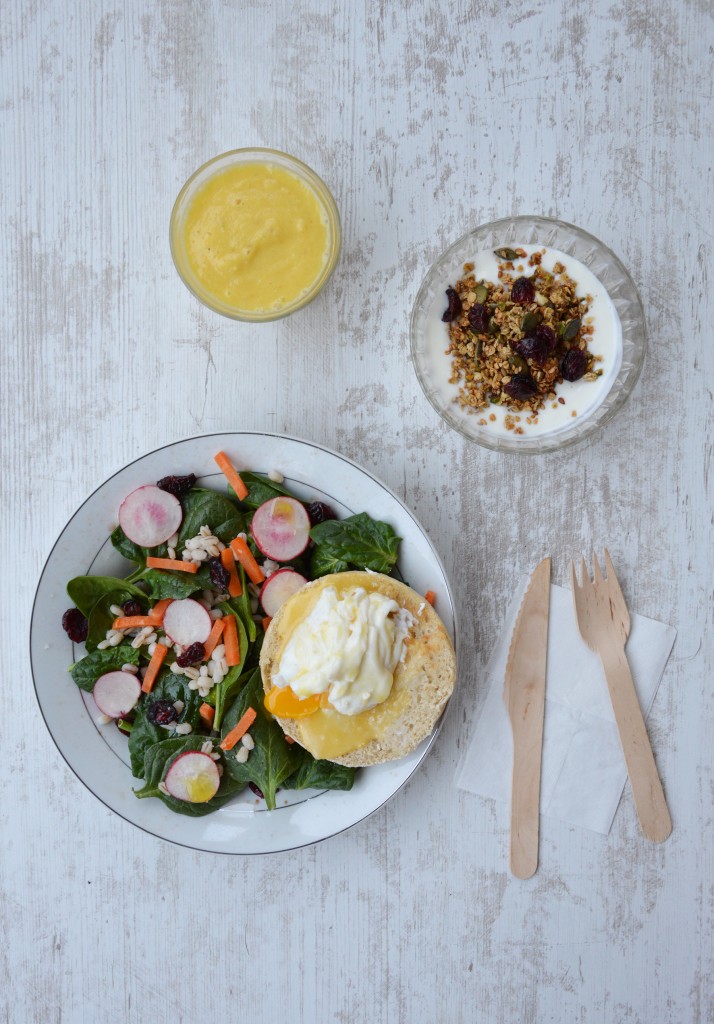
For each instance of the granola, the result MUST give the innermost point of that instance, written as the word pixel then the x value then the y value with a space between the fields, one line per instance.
pixel 512 342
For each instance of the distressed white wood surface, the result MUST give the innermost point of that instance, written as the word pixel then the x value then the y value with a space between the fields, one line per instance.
pixel 425 119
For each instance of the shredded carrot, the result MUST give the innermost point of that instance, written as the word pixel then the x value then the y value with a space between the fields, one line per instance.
pixel 230 639
pixel 430 596
pixel 153 668
pixel 213 637
pixel 288 739
pixel 176 564
pixel 232 737
pixel 134 621
pixel 229 564
pixel 226 467
pixel 266 622
pixel 207 713
pixel 245 557
pixel 158 611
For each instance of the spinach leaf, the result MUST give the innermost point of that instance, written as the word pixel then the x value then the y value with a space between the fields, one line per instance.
pixel 260 489
pixel 131 551
pixel 157 762
pixel 101 618
pixel 145 734
pixel 359 540
pixel 240 607
pixel 272 760
pixel 324 561
pixel 224 687
pixel 178 585
pixel 202 507
pixel 313 774
pixel 87 670
pixel 85 591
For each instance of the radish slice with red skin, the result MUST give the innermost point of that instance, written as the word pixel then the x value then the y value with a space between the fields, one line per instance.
pixel 278 588
pixel 117 693
pixel 149 516
pixel 281 528
pixel 187 622
pixel 193 777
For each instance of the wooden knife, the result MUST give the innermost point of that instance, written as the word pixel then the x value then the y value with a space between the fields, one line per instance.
pixel 524 696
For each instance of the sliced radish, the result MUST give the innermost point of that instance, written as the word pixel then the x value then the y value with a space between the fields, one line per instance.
pixel 194 777
pixel 149 516
pixel 281 528
pixel 117 693
pixel 278 588
pixel 187 622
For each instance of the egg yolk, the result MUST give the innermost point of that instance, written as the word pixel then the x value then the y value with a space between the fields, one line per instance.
pixel 281 701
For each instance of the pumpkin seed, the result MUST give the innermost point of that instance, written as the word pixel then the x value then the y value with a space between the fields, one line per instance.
pixel 529 323
pixel 481 293
pixel 505 253
pixel 571 329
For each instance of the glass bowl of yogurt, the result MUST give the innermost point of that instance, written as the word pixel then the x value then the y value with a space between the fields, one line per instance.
pixel 613 325
pixel 255 234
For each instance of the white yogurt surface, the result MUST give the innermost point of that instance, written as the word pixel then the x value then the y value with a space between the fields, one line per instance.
pixel 581 397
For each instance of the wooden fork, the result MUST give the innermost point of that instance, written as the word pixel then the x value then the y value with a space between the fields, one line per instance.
pixel 604 624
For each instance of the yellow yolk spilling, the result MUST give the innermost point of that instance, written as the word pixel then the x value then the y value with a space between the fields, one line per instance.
pixel 256 237
pixel 200 789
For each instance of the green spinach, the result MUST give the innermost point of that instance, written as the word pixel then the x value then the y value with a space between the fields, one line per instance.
pixel 202 507
pixel 272 760
pixel 157 762
pixel 85 591
pixel 87 670
pixel 260 490
pixel 101 617
pixel 314 774
pixel 359 541
pixel 177 585
pixel 144 733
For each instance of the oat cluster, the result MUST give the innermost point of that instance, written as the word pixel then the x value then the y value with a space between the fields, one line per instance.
pixel 513 342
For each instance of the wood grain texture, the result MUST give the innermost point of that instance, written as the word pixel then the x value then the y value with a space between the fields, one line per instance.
pixel 426 119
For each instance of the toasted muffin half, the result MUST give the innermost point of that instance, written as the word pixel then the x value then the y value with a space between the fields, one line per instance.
pixel 423 681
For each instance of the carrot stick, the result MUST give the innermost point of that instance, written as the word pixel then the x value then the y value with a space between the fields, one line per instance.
pixel 245 557
pixel 213 637
pixel 159 609
pixel 229 564
pixel 153 668
pixel 134 622
pixel 266 622
pixel 207 713
pixel 430 596
pixel 178 565
pixel 232 737
pixel 230 639
pixel 226 467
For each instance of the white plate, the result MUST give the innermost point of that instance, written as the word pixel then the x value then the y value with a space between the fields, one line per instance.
pixel 98 754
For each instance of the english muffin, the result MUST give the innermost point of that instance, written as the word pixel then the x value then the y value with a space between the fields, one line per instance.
pixel 326 621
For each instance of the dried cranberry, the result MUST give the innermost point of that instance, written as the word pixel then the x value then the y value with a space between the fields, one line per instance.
pixel 319 512
pixel 177 485
pixel 75 625
pixel 546 334
pixel 521 387
pixel 479 318
pixel 220 577
pixel 454 307
pixel 534 349
pixel 193 654
pixel 256 790
pixel 523 290
pixel 574 364
pixel 132 608
pixel 161 712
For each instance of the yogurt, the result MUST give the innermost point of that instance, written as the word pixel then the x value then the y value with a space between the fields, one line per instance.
pixel 580 398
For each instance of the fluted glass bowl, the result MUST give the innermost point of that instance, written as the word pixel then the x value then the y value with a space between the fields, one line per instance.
pixel 429 336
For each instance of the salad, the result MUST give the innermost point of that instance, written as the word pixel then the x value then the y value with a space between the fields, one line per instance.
pixel 172 649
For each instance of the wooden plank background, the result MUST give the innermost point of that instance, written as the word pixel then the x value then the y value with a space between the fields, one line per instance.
pixel 425 119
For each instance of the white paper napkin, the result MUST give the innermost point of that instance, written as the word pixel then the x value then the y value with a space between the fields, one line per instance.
pixel 583 769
